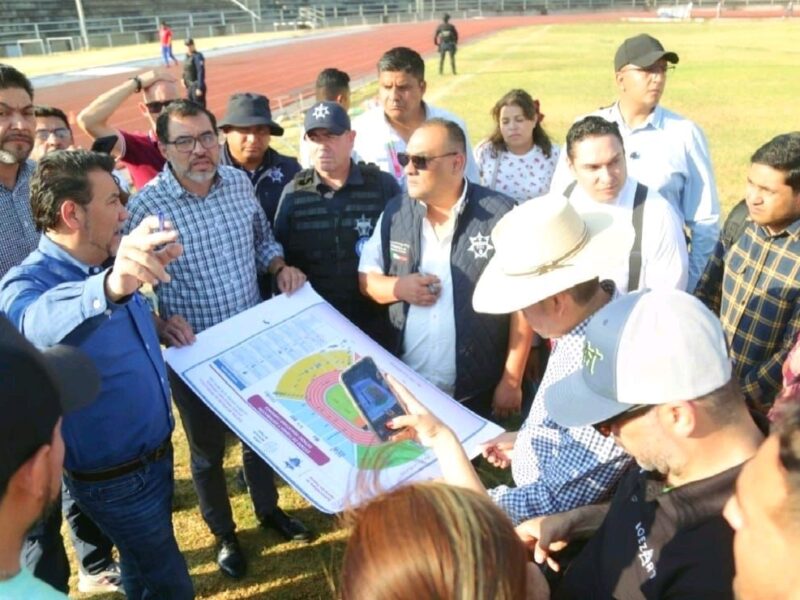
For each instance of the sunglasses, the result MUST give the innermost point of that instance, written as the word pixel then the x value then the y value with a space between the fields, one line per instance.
pixel 604 428
pixel 420 162
pixel 155 107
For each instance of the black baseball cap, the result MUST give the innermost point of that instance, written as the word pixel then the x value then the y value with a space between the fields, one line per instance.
pixel 327 115
pixel 36 389
pixel 247 110
pixel 641 50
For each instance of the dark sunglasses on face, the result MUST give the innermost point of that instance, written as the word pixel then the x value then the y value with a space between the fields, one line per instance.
pixel 420 162
pixel 155 107
pixel 604 428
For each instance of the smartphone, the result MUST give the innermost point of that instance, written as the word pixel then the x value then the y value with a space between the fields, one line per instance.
pixel 372 396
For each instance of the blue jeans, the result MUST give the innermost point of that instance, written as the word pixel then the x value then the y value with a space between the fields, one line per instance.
pixel 135 511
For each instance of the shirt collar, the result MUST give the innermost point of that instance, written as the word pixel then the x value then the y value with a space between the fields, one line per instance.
pixel 174 188
pixel 53 250
pixel 655 119
pixel 792 231
pixel 460 204
pixel 23 173
pixel 354 177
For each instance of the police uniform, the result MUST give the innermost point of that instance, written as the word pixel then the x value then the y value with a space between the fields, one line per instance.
pixel 446 38
pixel 323 230
pixel 194 77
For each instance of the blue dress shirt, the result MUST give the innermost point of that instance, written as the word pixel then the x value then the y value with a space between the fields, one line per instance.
pixel 53 298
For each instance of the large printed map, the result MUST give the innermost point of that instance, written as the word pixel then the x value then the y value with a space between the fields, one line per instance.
pixel 272 374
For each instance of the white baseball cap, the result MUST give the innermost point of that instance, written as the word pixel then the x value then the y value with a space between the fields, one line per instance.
pixel 648 347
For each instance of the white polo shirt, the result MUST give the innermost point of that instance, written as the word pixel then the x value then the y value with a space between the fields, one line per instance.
pixel 665 260
pixel 378 142
pixel 429 341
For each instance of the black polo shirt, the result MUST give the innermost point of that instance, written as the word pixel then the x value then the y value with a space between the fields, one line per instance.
pixel 658 543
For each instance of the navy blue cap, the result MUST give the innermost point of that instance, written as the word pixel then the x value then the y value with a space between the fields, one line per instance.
pixel 327 115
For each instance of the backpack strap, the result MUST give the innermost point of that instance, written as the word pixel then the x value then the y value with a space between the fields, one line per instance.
pixel 635 259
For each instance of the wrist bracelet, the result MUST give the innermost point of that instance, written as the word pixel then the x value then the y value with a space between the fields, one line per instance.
pixel 138 83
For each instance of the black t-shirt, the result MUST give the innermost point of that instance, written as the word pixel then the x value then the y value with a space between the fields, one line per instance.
pixel 446 35
pixel 658 543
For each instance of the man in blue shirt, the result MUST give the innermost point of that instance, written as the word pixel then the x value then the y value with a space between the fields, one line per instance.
pixel 80 288
pixel 664 151
pixel 36 389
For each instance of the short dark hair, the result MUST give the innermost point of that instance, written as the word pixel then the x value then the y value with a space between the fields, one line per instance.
pixel 180 108
pixel 591 126
pixel 63 175
pixel 331 83
pixel 455 135
pixel 51 111
pixel 446 18
pixel 403 59
pixel 11 78
pixel 788 432
pixel 782 153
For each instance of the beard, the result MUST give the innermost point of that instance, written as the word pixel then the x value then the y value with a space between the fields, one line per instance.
pixel 15 151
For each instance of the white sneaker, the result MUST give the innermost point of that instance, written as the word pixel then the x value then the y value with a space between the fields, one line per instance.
pixel 109 580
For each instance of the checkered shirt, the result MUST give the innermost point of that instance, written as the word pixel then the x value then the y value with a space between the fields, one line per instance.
pixel 755 290
pixel 225 237
pixel 557 468
pixel 17 232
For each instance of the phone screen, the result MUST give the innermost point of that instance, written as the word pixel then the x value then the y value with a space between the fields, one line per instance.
pixel 372 395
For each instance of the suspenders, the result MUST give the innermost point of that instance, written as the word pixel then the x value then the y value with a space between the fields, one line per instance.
pixel 637 218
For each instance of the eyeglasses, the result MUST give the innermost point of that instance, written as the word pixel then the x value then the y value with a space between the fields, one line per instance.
pixel 604 427
pixel 155 107
pixel 420 162
pixel 187 143
pixel 654 69
pixel 61 133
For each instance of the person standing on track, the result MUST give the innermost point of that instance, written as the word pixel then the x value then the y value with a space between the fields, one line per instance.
pixel 194 74
pixel 446 39
pixel 165 34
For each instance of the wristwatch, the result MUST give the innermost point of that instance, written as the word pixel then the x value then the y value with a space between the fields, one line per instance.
pixel 138 83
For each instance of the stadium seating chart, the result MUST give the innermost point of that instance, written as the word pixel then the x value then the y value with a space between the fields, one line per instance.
pixel 272 375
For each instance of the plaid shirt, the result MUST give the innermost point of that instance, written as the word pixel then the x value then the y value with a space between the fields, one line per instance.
pixel 754 288
pixel 19 236
pixel 225 237
pixel 559 468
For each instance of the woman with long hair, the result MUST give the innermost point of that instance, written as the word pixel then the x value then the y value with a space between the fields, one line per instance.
pixel 518 159
pixel 433 540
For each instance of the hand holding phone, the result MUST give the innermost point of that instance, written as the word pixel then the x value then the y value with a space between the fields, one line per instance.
pixel 372 396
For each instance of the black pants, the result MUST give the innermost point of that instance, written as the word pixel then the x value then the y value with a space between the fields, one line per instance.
pixel 447 49
pixel 206 434
pixel 191 94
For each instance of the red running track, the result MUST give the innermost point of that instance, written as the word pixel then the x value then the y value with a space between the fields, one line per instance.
pixel 287 70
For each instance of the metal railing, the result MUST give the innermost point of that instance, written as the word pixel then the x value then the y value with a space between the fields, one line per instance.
pixel 50 36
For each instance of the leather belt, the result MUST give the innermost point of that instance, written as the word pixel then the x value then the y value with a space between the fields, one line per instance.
pixel 129 467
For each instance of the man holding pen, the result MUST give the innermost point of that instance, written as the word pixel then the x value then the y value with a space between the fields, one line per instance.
pixel 63 294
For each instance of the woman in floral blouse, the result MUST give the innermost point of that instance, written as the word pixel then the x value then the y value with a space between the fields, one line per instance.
pixel 518 159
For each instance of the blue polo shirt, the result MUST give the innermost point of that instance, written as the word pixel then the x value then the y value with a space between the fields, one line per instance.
pixel 53 298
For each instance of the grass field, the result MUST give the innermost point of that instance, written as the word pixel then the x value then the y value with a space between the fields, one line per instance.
pixel 735 79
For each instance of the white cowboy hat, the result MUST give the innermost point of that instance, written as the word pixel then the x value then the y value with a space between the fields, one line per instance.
pixel 548 245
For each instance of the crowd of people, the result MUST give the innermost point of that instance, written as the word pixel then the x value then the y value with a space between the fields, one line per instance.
pixel 658 455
